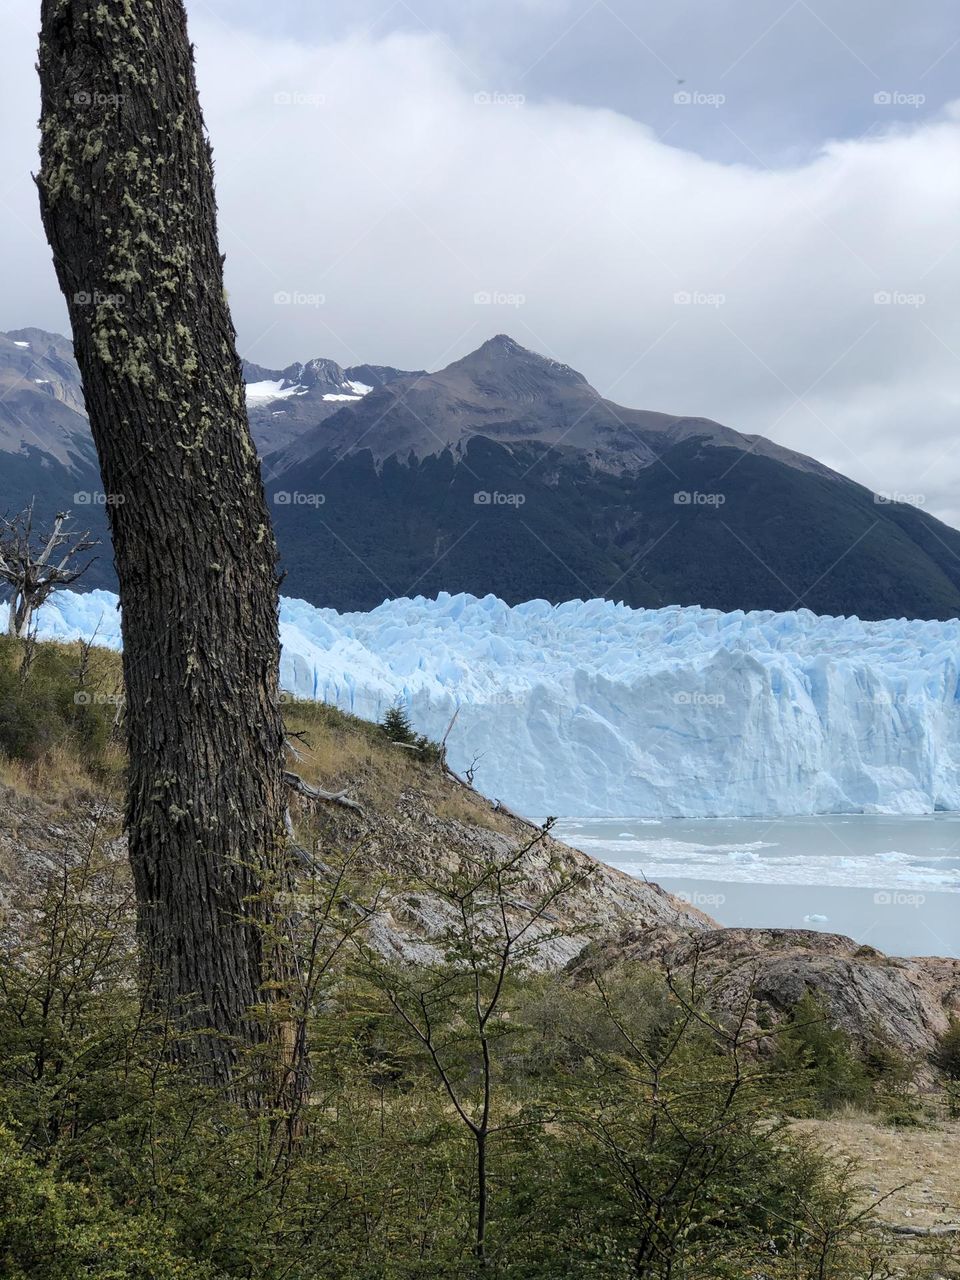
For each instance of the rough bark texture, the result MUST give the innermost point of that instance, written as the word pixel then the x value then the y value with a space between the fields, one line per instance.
pixel 126 187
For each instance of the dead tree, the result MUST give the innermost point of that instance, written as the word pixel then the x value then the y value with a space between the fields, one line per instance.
pixel 127 199
pixel 34 565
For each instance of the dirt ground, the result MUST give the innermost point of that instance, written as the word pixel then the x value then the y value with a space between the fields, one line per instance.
pixel 920 1166
pixel 927 1160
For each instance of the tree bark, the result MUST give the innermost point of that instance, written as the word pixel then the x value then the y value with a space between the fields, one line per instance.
pixel 127 198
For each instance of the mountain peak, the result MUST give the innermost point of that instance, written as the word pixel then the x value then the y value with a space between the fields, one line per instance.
pixel 505 358
pixel 502 342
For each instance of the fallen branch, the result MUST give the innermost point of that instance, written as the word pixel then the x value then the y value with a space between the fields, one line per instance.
pixel 896 1229
pixel 290 742
pixel 297 784
pixel 500 807
pixel 496 805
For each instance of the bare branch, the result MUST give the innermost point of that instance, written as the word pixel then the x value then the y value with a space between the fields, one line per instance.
pixel 297 784
pixel 27 566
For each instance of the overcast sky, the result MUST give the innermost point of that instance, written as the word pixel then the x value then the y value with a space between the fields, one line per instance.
pixel 747 211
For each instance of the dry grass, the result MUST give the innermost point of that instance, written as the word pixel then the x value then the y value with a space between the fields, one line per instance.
pixel 337 750
pixel 59 728
pixel 61 774
pixel 16 775
pixel 340 751
pixel 920 1166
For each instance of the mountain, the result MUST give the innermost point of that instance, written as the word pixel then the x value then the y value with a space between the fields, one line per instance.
pixel 282 403
pixel 508 473
pixel 513 396
pixel 46 451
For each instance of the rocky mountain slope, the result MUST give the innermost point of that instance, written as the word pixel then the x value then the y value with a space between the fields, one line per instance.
pixel 908 1002
pixel 513 396
pixel 506 472
pixel 46 450
pixel 285 403
pixel 410 819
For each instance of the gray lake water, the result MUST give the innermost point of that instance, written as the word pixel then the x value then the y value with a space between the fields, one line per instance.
pixel 892 882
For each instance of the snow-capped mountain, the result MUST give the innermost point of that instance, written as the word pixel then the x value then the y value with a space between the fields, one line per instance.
pixel 507 472
pixel 41 399
pixel 283 403
pixel 594 708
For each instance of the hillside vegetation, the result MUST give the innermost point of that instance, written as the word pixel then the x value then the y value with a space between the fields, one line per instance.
pixel 477 1107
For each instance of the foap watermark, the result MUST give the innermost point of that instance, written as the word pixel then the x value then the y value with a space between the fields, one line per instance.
pixel 503 699
pixel 894 496
pixel 898 98
pixel 498 298
pixel 97 298
pixel 498 98
pixel 897 898
pixel 686 498
pixel 88 698
pixel 698 298
pixel 694 898
pixel 296 98
pixel 484 498
pixel 697 698
pixel 297 298
pixel 87 98
pixel 888 698
pixel 284 498
pixel 86 498
pixel 697 98
pixel 898 298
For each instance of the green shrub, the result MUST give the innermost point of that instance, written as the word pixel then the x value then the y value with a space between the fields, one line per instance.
pixel 56 1230
pixel 821 1059
pixel 946 1056
pixel 45 707
pixel 893 1079
pixel 630 1137
pixel 396 724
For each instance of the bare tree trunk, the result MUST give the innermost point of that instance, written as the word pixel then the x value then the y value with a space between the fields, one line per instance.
pixel 33 565
pixel 126 190
pixel 23 616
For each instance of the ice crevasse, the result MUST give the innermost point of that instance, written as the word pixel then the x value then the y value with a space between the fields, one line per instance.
pixel 593 708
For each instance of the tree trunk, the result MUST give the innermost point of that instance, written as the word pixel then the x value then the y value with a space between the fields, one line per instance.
pixel 23 616
pixel 126 193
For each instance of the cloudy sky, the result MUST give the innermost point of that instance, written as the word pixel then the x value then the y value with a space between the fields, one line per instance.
pixel 747 210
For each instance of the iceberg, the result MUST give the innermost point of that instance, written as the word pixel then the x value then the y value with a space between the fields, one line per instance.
pixel 593 708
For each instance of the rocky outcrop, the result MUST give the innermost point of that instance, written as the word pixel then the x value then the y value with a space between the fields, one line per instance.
pixel 410 841
pixel 906 1003
pixel 396 850
pixel 608 920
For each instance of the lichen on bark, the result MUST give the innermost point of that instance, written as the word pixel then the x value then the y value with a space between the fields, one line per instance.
pixel 127 197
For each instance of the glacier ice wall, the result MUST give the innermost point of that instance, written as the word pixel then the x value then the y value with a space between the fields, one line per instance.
pixel 590 708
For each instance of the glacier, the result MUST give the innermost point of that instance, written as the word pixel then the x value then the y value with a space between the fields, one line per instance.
pixel 594 708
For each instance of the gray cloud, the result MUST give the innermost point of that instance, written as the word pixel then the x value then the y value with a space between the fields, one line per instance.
pixel 739 266
pixel 793 73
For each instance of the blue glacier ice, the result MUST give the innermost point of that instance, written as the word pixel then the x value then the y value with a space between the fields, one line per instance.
pixel 593 708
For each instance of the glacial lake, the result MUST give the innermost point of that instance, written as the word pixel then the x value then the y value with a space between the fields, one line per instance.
pixel 891 882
